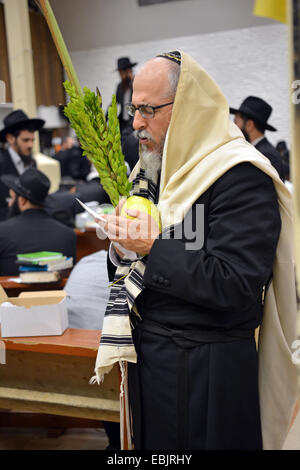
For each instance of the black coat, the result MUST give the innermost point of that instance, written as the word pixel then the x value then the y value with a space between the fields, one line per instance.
pixel 120 99
pixel 33 230
pixel 91 191
pixel 125 125
pixel 73 163
pixel 62 206
pixel 7 167
pixel 267 149
pixel 130 148
pixel 195 384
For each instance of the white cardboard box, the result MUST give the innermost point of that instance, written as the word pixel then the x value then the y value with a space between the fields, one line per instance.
pixel 33 314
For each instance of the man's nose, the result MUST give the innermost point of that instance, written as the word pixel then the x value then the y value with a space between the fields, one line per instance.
pixel 138 121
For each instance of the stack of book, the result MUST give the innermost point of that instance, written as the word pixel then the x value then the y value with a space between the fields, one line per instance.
pixel 43 266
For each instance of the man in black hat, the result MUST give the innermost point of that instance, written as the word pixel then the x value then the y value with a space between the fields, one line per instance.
pixel 33 229
pixel 124 93
pixel 251 118
pixel 18 133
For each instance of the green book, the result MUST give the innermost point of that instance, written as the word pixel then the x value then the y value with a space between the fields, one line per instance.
pixel 39 257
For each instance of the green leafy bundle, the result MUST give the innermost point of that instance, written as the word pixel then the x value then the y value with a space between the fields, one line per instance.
pixel 101 142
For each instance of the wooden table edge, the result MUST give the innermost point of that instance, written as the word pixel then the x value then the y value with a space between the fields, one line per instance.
pixel 73 342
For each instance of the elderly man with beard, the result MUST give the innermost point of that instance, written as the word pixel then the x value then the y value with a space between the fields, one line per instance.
pixel 18 133
pixel 182 316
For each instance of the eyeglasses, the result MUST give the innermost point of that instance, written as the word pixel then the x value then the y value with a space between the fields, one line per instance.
pixel 147 111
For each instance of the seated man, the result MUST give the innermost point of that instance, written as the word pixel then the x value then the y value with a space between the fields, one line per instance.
pixel 72 162
pixel 32 229
pixel 91 189
pixel 88 292
pixel 63 206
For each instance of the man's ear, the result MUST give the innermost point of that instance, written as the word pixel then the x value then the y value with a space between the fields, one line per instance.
pixel 249 125
pixel 22 202
pixel 10 138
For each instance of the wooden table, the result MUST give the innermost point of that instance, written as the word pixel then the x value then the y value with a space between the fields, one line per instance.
pixel 88 242
pixel 51 375
pixel 13 289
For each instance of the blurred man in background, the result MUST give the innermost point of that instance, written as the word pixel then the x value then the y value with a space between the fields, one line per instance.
pixel 72 163
pixel 251 118
pixel 124 93
pixel 18 133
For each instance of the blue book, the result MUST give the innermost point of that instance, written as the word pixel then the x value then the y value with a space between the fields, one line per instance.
pixel 33 268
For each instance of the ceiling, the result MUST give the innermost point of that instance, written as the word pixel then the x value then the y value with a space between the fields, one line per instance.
pixel 93 24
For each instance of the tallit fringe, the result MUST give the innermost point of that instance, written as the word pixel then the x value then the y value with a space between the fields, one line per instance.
pixel 96 380
pixel 125 423
pixel 123 377
pixel 99 377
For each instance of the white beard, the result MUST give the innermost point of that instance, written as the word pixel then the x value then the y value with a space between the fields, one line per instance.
pixel 151 161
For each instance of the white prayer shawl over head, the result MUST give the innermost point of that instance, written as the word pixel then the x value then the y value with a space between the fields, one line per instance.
pixel 202 144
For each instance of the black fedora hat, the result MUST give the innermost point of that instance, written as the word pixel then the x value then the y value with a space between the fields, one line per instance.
pixel 124 63
pixel 257 109
pixel 32 184
pixel 19 120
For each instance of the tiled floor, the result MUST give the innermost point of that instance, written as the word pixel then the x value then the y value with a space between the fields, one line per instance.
pixel 37 439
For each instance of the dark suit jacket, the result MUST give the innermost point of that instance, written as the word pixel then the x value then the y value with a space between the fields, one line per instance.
pixel 120 99
pixel 130 148
pixel 206 389
pixel 7 168
pixel 33 230
pixel 62 206
pixel 73 163
pixel 267 149
pixel 91 191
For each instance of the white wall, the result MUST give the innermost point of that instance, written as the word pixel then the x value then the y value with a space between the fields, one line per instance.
pixel 90 24
pixel 248 61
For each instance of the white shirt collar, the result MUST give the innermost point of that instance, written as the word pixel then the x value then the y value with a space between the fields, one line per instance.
pixel 17 161
pixel 256 141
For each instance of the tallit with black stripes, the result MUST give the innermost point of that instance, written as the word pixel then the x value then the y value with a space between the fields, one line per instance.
pixel 116 343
